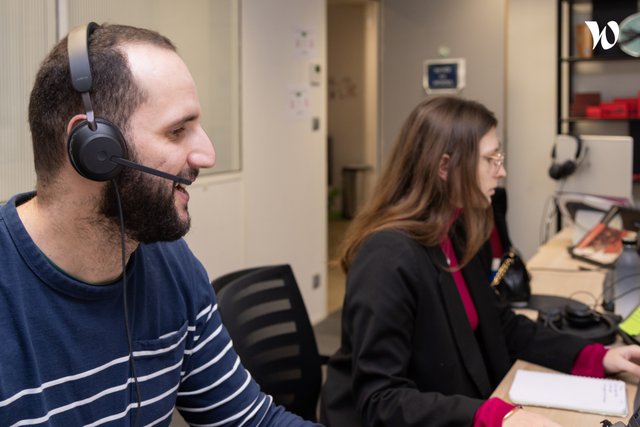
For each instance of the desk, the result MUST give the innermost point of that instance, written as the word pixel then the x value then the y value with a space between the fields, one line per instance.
pixel 563 417
pixel 554 272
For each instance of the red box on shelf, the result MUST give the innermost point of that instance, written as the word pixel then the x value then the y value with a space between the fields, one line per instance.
pixel 614 110
pixel 632 105
pixel 594 112
pixel 581 101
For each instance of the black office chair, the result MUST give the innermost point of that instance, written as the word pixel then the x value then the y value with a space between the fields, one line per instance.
pixel 268 322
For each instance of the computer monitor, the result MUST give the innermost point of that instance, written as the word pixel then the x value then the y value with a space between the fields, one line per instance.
pixel 604 166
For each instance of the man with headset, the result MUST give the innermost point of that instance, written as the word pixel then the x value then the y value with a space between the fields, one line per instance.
pixel 81 342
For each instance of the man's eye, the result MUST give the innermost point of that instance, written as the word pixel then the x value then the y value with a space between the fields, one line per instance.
pixel 177 132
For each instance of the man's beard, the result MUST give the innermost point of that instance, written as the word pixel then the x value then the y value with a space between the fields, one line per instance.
pixel 148 207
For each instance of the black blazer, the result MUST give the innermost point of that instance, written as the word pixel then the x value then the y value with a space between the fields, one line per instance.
pixel 408 355
pixel 499 206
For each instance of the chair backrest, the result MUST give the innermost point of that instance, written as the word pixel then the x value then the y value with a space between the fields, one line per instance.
pixel 268 322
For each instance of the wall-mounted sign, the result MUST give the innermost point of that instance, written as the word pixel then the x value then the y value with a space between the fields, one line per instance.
pixel 444 75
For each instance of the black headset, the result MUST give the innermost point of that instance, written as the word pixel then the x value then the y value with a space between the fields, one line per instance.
pixel 93 142
pixel 562 170
pixel 572 317
pixel 97 149
pixel 579 320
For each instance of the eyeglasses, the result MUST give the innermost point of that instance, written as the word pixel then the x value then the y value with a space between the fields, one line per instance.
pixel 496 160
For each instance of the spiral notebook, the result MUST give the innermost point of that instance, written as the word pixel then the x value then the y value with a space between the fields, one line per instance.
pixel 556 390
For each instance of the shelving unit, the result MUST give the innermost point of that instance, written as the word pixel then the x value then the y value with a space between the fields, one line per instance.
pixel 614 75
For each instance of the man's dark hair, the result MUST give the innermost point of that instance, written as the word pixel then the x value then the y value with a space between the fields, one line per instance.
pixel 115 93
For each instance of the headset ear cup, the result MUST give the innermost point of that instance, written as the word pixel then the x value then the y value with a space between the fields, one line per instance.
pixel 90 152
pixel 568 168
pixel 560 171
pixel 581 316
pixel 554 171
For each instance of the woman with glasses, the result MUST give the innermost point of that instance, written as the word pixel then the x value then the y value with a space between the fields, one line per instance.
pixel 425 341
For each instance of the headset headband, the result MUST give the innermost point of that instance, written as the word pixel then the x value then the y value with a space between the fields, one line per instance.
pixel 578 147
pixel 78 51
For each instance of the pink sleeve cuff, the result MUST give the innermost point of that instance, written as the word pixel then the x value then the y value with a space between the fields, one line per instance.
pixel 491 413
pixel 589 361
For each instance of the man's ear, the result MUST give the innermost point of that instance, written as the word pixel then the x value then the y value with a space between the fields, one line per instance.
pixel 74 121
pixel 443 167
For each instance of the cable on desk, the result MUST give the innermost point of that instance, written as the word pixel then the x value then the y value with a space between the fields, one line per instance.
pixel 595 299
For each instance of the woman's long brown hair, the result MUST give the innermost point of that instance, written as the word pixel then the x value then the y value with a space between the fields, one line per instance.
pixel 411 197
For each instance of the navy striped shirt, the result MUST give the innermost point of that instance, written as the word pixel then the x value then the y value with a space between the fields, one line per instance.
pixel 64 358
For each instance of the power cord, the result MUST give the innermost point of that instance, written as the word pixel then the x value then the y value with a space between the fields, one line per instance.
pixel 126 308
pixel 595 299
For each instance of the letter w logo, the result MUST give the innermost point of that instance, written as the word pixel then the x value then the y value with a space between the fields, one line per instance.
pixel 596 35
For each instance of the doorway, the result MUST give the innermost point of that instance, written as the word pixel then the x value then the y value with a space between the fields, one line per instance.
pixel 352 50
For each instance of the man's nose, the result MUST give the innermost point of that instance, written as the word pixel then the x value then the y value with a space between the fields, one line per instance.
pixel 202 154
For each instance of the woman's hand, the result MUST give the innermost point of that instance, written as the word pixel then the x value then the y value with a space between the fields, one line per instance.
pixel 622 359
pixel 524 418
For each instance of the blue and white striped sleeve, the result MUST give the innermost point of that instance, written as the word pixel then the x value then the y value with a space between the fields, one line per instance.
pixel 215 389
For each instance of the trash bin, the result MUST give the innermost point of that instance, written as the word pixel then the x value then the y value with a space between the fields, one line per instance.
pixel 352 188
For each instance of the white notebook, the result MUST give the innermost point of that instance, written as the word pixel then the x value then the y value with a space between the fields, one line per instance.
pixel 556 390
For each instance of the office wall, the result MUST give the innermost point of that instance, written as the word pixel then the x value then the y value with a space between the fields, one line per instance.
pixel 274 210
pixel 531 100
pixel 414 30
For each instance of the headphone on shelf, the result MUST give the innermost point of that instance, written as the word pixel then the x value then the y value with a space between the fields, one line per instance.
pixel 562 170
pixel 93 142
pixel 96 147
